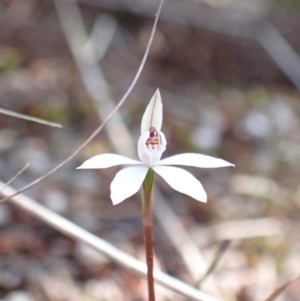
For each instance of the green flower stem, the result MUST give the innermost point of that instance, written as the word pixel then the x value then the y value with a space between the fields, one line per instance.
pixel 147 222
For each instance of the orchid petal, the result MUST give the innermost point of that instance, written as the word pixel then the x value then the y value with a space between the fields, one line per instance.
pixel 182 181
pixel 150 156
pixel 106 160
pixel 195 160
pixel 127 182
pixel 153 115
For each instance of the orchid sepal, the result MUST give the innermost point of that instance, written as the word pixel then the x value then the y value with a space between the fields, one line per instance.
pixel 107 160
pixel 127 182
pixel 153 115
pixel 195 160
pixel 182 181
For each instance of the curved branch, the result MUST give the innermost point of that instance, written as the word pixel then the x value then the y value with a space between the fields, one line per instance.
pixel 99 129
pixel 73 231
pixel 29 118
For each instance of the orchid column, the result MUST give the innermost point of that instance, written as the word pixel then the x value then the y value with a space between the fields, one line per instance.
pixel 152 143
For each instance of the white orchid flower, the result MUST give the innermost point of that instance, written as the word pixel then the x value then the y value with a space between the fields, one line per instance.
pixel 152 143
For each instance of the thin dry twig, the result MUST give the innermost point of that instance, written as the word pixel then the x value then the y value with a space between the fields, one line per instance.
pixel 29 118
pixel 99 129
pixel 75 232
pixel 280 290
pixel 222 249
pixel 84 53
pixel 236 22
pixel 16 175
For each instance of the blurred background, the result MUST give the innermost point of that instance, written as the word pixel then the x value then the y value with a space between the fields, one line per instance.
pixel 229 75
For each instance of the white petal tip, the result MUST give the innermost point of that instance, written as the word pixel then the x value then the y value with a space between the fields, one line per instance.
pixel 222 163
pixel 153 114
pixel 226 163
pixel 84 166
pixel 202 198
pixel 157 94
pixel 116 200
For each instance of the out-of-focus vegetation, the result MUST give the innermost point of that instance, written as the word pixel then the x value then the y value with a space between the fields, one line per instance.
pixel 225 94
pixel 292 4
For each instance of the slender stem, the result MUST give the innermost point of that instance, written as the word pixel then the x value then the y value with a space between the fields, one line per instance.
pixel 147 222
